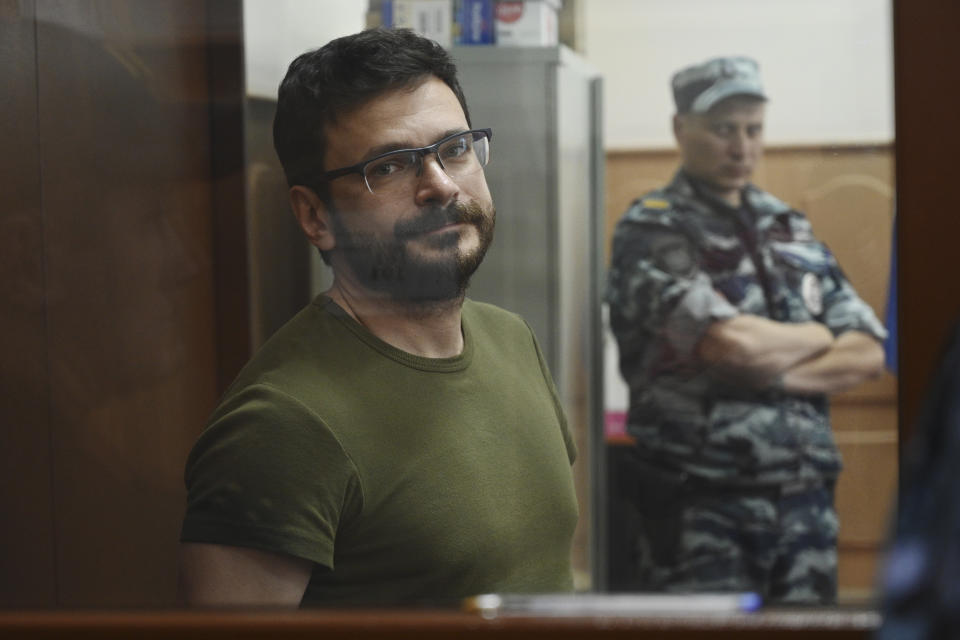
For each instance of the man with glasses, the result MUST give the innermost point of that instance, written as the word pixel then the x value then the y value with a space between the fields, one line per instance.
pixel 734 326
pixel 395 441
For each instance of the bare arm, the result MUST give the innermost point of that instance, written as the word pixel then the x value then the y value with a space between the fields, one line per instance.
pixel 213 575
pixel 758 349
pixel 853 358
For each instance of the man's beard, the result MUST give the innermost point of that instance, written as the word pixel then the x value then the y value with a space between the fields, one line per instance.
pixel 386 264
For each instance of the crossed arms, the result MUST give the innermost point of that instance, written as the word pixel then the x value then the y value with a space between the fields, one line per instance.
pixel 676 304
pixel 801 358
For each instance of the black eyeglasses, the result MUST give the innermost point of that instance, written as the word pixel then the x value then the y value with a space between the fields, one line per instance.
pixel 459 155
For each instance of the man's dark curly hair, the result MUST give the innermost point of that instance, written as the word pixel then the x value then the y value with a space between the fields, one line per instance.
pixel 322 84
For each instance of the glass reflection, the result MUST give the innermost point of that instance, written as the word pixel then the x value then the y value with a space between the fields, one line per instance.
pixel 832 160
pixel 734 327
pixel 828 153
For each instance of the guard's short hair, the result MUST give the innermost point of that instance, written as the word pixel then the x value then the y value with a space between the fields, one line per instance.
pixel 324 83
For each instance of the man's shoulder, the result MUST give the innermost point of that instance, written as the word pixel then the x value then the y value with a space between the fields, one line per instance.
pixel 499 329
pixel 659 211
pixel 491 315
pixel 667 206
pixel 657 206
pixel 306 346
pixel 765 202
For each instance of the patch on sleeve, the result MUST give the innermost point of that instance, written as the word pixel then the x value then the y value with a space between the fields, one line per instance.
pixel 812 293
pixel 676 258
pixel 654 203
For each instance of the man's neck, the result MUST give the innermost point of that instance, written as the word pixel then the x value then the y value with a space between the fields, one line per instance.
pixel 429 330
pixel 730 197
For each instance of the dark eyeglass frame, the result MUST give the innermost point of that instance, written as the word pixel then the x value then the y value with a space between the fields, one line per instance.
pixel 360 167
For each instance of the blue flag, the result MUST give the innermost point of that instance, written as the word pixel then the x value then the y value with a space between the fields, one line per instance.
pixel 890 344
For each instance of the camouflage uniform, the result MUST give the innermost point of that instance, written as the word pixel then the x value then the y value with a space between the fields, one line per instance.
pixel 734 484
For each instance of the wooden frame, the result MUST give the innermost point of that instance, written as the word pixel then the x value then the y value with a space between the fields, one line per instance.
pixel 927 139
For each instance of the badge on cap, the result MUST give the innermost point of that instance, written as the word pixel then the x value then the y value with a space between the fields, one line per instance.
pixel 812 293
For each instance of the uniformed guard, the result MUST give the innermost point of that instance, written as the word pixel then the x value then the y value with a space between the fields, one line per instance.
pixel 734 326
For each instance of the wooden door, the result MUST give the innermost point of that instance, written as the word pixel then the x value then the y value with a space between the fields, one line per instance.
pixel 111 360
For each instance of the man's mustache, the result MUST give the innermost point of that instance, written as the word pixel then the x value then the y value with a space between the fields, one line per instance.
pixel 436 217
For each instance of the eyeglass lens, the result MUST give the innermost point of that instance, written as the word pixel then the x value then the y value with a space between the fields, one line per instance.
pixel 459 156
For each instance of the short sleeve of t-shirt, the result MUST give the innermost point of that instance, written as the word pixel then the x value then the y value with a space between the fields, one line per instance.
pixel 568 440
pixel 268 474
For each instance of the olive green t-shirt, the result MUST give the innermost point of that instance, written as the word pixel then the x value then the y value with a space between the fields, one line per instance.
pixel 402 478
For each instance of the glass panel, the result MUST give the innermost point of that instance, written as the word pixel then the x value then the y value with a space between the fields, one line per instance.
pixel 829 153
pixel 117 210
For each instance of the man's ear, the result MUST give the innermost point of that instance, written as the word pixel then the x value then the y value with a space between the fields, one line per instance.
pixel 677 125
pixel 313 215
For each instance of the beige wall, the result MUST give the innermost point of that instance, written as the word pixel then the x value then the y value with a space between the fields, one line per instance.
pixel 827 65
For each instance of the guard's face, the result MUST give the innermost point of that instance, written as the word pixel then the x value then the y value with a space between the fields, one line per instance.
pixel 723 146
pixel 419 240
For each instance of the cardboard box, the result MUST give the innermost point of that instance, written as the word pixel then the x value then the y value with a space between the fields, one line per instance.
pixel 430 18
pixel 527 23
pixel 475 22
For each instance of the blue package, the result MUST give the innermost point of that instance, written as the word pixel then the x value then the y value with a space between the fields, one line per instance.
pixel 475 19
pixel 386 13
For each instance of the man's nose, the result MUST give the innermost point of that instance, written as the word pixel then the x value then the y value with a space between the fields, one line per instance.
pixel 434 186
pixel 738 144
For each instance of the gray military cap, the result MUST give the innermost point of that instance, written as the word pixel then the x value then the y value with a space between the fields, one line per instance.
pixel 697 88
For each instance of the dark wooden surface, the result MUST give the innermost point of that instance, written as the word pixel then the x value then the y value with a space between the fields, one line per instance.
pixel 222 40
pixel 824 624
pixel 125 189
pixel 26 535
pixel 111 358
pixel 927 144
pixel 110 362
